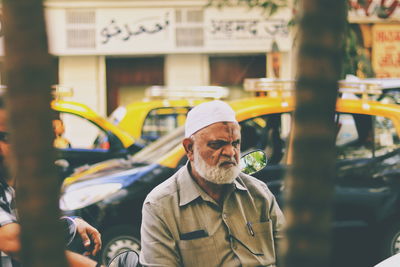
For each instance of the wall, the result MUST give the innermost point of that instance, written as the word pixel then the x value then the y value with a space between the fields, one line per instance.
pixel 86 75
pixel 187 69
pixel 82 33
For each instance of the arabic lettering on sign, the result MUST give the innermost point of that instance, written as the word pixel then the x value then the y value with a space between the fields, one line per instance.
pixel 251 28
pixel 381 8
pixel 127 31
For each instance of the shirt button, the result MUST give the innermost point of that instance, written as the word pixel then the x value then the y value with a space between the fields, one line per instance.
pixel 224 215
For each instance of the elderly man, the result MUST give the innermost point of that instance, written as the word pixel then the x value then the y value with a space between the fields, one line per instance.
pixel 208 213
pixel 9 227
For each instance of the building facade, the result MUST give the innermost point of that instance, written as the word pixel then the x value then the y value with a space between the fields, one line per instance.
pixel 110 51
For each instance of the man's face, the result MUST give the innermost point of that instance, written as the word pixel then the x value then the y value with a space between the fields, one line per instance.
pixel 216 152
pixel 4 145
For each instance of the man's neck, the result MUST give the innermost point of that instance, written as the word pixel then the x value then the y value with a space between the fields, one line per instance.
pixel 215 191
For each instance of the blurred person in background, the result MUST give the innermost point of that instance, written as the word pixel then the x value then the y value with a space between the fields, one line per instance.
pixel 10 245
pixel 59 129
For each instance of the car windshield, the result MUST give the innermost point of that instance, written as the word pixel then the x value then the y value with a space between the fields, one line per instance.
pixel 153 152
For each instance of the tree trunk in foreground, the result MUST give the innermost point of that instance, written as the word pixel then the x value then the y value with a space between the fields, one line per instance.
pixel 309 182
pixel 28 75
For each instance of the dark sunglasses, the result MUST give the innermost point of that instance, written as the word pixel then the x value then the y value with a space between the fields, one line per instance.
pixel 4 137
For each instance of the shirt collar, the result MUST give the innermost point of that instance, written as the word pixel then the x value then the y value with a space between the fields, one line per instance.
pixel 189 190
pixel 238 183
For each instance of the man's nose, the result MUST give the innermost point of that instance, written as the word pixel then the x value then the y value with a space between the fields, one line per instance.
pixel 229 150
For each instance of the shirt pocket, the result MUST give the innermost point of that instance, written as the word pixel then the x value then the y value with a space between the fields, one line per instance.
pixel 261 244
pixel 198 252
pixel 264 232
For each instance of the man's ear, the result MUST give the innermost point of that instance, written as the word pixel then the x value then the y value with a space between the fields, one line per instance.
pixel 188 144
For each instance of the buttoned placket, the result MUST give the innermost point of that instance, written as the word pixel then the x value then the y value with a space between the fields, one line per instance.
pixel 226 219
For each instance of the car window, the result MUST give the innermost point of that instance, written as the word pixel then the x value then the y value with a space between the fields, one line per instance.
pixel 355 136
pixel 83 134
pixel 117 115
pixel 269 133
pixel 364 136
pixel 154 151
pixel 385 138
pixel 255 135
pixel 161 121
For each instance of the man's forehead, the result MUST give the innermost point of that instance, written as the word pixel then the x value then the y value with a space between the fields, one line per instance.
pixel 220 130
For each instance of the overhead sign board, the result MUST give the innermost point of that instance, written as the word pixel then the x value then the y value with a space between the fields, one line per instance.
pixel 386 50
pixel 243 28
pixel 134 30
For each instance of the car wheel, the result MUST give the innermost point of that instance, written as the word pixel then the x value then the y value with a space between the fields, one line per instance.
pixel 117 240
pixel 391 241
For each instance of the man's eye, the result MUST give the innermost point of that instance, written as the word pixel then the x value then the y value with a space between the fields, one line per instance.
pixel 236 144
pixel 216 145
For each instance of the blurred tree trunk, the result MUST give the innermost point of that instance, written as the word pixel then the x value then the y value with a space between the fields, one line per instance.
pixel 28 77
pixel 309 181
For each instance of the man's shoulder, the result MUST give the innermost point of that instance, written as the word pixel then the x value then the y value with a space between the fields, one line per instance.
pixel 254 185
pixel 252 181
pixel 167 189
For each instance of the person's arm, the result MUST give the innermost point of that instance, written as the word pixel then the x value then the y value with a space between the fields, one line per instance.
pixel 278 224
pixel 10 244
pixel 158 246
pixel 277 218
pixel 9 239
pixel 91 238
pixel 77 260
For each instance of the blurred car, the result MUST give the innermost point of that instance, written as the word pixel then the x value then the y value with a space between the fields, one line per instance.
pixel 367 193
pixel 163 110
pixel 91 139
pixel 389 87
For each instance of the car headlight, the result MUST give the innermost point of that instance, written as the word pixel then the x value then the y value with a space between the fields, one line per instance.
pixel 82 197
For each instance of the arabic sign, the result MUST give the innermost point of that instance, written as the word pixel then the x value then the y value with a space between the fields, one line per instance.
pixel 134 30
pixel 386 50
pixel 238 28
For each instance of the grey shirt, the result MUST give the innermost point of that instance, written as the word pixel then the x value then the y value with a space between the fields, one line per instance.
pixel 183 226
pixel 8 214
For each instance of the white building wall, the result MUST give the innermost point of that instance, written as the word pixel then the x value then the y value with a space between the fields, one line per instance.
pixel 186 69
pixel 105 26
pixel 86 75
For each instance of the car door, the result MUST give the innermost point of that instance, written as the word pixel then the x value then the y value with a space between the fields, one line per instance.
pixel 367 161
pixel 89 144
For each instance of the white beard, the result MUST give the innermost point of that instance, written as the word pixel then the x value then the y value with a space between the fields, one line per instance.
pixel 215 174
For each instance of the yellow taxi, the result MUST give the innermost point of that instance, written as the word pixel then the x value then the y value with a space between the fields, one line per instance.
pixel 162 110
pixel 86 137
pixel 110 194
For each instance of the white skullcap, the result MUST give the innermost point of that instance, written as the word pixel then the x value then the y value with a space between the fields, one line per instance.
pixel 206 114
